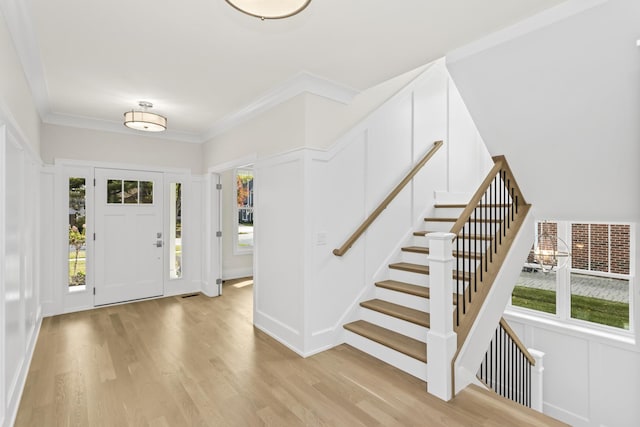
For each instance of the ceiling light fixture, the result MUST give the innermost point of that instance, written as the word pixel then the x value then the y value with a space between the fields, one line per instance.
pixel 270 9
pixel 145 120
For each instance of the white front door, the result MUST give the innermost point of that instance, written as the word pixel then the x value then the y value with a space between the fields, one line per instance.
pixel 128 242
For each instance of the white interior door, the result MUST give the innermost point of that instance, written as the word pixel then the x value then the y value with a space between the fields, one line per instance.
pixel 129 241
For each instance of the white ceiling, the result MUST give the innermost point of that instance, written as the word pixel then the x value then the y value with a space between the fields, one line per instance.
pixel 202 63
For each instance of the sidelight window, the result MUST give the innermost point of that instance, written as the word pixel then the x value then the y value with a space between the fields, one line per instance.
pixel 77 249
pixel 244 210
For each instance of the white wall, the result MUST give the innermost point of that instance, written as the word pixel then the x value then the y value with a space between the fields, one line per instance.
pixel 63 142
pixel 19 227
pixel 309 201
pixel 277 130
pixel 16 103
pixel 562 104
pixel 19 272
pixel 589 380
pixel 280 269
pixel 233 265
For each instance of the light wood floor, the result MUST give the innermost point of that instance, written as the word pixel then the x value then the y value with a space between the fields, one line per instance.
pixel 200 362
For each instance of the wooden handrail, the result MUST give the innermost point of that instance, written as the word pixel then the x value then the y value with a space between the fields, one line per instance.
pixel 517 341
pixel 500 163
pixel 363 227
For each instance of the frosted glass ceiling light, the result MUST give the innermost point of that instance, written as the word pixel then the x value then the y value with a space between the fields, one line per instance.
pixel 145 120
pixel 270 9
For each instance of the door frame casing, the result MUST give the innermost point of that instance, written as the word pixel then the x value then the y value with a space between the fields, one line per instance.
pixel 67 302
pixel 214 271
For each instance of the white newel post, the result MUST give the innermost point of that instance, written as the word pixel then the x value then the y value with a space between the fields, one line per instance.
pixel 536 380
pixel 441 340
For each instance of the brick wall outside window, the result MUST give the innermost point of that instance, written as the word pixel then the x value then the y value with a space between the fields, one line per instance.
pixel 547 239
pixel 600 247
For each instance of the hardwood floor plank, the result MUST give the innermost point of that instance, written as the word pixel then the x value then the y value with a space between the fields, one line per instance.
pixel 199 361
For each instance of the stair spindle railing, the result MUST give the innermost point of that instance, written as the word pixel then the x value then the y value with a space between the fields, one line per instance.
pixel 482 229
pixel 506 367
pixel 486 229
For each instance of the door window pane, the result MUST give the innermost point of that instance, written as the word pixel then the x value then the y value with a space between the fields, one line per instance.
pixel 114 191
pixel 146 192
pixel 175 233
pixel 77 253
pixel 131 192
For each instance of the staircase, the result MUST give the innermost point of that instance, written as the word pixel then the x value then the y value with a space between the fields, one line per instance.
pixel 393 326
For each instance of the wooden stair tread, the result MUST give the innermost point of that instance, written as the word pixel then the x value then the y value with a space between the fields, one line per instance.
pixel 462 205
pixel 450 205
pixel 423 269
pixel 403 344
pixel 399 311
pixel 413 268
pixel 425 251
pixel 423 232
pixel 467 236
pixel 406 288
pixel 479 220
pixel 476 236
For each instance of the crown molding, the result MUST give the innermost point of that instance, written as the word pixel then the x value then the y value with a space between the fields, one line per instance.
pixel 19 22
pixel 529 25
pixel 117 127
pixel 303 82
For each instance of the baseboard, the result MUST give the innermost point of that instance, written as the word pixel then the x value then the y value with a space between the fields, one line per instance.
pixel 279 331
pixel 14 401
pixel 565 416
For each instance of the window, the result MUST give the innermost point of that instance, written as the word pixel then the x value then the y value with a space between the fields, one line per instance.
pixel 77 253
pixel 592 285
pixel 175 230
pixel 244 210
pixel 600 279
pixel 536 286
pixel 129 192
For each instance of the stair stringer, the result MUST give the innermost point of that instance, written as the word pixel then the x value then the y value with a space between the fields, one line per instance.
pixel 475 346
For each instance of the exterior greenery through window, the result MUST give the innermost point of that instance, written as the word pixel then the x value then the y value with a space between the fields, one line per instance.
pixel 244 205
pixel 594 284
pixel 175 233
pixel 77 265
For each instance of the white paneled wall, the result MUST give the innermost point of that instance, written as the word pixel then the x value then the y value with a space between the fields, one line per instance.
pixel 589 380
pixel 309 201
pixel 279 252
pixel 19 295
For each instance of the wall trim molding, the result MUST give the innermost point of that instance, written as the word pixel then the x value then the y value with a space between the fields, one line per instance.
pixel 529 25
pixel 80 122
pixel 303 82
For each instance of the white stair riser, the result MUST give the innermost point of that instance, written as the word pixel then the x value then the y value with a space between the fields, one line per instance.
pixel 414 258
pixel 448 212
pixel 400 326
pixel 394 358
pixel 409 277
pixel 400 298
pixel 420 241
pixel 444 227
